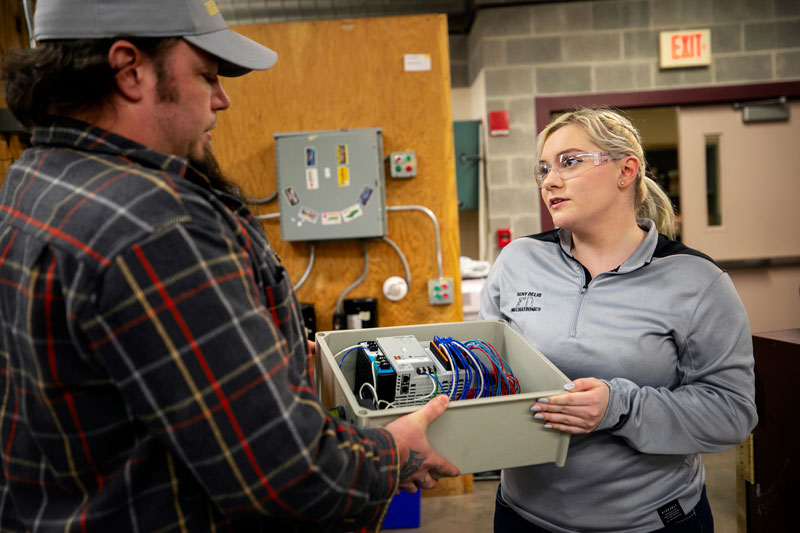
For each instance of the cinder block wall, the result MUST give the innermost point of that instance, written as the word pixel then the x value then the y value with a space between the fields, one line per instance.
pixel 598 47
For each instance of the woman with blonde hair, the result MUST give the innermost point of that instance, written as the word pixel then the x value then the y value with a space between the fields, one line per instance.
pixel 651 333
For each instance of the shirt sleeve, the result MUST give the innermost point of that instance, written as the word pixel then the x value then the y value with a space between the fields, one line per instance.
pixel 189 327
pixel 714 406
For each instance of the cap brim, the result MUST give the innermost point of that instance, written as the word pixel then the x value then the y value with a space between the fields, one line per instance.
pixel 238 55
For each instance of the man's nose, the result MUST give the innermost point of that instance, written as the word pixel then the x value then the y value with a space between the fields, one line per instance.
pixel 220 99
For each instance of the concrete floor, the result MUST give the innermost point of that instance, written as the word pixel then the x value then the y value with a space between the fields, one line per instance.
pixel 473 513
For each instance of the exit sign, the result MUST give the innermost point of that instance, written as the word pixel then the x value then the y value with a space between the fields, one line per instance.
pixel 685 48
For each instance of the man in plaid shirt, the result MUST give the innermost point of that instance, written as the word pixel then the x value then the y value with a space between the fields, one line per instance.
pixel 154 373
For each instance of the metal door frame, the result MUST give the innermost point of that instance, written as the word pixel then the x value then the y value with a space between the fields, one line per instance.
pixel 545 106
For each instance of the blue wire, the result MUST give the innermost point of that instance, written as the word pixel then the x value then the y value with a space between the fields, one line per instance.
pixel 456 354
pixel 488 352
pixel 473 368
pixel 454 368
pixel 348 353
pixel 503 368
pixel 483 371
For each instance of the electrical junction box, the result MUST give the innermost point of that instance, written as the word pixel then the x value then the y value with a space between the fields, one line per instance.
pixel 440 291
pixel 476 435
pixel 331 184
pixel 403 164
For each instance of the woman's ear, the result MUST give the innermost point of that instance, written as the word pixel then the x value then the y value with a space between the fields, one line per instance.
pixel 628 171
pixel 127 62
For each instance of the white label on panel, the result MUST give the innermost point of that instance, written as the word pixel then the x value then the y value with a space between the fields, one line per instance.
pixel 352 212
pixel 331 217
pixel 309 215
pixel 312 178
pixel 416 62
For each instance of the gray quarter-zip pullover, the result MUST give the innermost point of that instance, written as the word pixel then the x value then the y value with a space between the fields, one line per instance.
pixel 668 334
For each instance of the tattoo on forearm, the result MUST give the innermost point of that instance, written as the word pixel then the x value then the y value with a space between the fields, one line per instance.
pixel 412 465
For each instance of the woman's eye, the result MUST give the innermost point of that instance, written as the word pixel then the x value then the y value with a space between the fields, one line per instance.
pixel 569 161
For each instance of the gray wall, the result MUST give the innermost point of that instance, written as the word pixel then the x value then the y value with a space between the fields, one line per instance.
pixel 597 47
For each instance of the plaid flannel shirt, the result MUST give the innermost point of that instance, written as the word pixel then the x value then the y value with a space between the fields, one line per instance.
pixel 153 365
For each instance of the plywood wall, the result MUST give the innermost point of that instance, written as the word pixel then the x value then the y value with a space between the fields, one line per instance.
pixel 13 35
pixel 350 74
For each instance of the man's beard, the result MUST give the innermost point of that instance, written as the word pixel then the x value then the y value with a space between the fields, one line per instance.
pixel 209 166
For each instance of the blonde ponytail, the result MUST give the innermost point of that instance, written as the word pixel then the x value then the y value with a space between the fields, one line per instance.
pixel 653 203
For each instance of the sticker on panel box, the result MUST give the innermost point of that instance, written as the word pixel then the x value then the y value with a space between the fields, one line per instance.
pixel 312 178
pixel 327 171
pixel 311 156
pixel 309 215
pixel 352 212
pixel 291 195
pixel 364 197
pixel 341 154
pixel 331 217
pixel 344 176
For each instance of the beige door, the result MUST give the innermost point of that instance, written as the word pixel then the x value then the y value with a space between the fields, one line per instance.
pixel 748 216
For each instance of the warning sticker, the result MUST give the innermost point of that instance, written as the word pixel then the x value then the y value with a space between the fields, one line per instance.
pixel 352 212
pixel 291 195
pixel 364 197
pixel 312 178
pixel 344 176
pixel 309 215
pixel 331 217
pixel 342 157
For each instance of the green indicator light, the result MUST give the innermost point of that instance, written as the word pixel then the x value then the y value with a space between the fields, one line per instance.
pixel 437 288
pixel 408 158
pixel 398 168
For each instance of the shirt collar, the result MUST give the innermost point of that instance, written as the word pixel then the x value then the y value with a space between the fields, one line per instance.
pixel 640 257
pixel 71 133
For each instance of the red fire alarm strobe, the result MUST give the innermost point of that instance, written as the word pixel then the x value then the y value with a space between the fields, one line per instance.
pixel 498 123
pixel 503 237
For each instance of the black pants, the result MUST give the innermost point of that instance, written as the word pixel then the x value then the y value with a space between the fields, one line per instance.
pixel 699 520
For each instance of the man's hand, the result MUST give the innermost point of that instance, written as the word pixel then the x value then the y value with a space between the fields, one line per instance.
pixel 580 410
pixel 421 467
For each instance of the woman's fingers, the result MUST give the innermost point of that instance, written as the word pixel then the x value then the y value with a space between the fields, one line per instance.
pixel 580 410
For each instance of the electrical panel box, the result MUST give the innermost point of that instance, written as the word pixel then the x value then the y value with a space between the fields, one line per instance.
pixel 331 184
pixel 467 433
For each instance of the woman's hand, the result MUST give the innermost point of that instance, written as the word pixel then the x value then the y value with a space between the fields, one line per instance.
pixel 580 410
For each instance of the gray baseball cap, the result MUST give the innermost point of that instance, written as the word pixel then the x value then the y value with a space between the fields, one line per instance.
pixel 197 21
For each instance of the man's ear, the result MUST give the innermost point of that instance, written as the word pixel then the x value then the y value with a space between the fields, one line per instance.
pixel 128 62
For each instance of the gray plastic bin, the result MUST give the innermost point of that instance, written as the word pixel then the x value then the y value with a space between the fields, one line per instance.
pixel 476 435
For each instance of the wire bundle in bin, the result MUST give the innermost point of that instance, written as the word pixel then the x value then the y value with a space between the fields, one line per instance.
pixel 400 371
